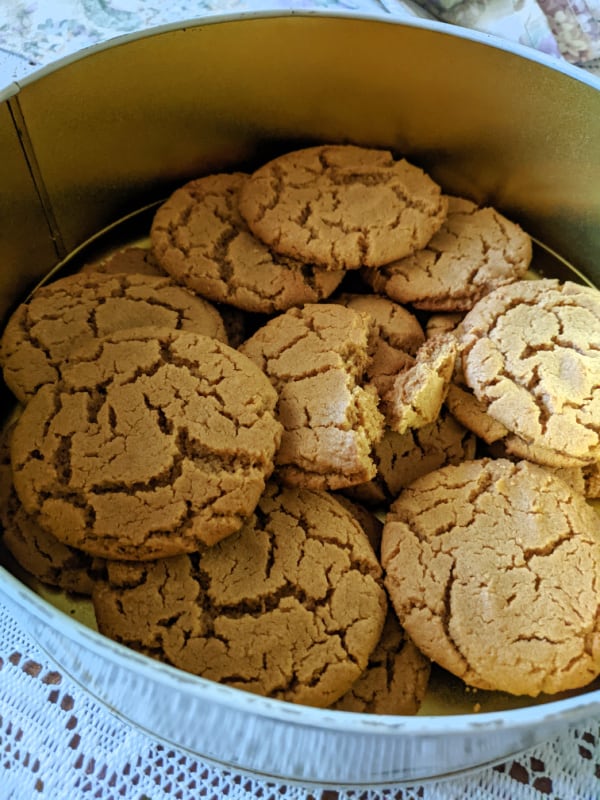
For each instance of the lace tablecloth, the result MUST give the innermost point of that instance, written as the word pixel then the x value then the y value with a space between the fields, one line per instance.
pixel 56 742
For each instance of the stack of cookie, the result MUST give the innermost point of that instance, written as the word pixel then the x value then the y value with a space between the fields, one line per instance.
pixel 211 429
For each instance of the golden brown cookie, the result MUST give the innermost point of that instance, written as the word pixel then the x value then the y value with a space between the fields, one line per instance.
pixel 342 206
pixel 133 259
pixel 518 448
pixel 531 354
pixel 416 395
pixel 396 678
pixel 36 551
pixel 492 568
pixel 398 337
pixel 153 443
pixel 442 323
pixel 470 412
pixel 316 358
pixel 59 317
pixel 371 524
pixel 475 251
pixel 291 606
pixel 6 481
pixel 199 237
pixel 582 479
pixel 42 555
pixel 401 458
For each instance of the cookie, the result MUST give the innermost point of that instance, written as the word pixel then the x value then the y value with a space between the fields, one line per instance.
pixel 199 237
pixel 131 260
pixel 395 680
pixel 516 447
pixel 5 465
pixel 316 358
pixel 399 336
pixel 154 443
pixel 475 251
pixel 401 458
pixel 442 323
pixel 492 568
pixel 416 395
pixel 582 479
pixel 44 330
pixel 531 354
pixel 42 555
pixel 371 524
pixel 470 412
pixel 342 206
pixel 291 606
pixel 37 552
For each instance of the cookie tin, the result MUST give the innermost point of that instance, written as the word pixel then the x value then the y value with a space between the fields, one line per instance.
pixel 97 137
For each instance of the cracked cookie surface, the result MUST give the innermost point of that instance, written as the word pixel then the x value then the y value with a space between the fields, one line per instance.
pixel 475 251
pixel 396 678
pixel 401 458
pixel 153 443
pixel 398 337
pixel 530 352
pixel 342 206
pixel 493 569
pixel 291 606
pixel 199 237
pixel 64 314
pixel 316 358
pixel 34 549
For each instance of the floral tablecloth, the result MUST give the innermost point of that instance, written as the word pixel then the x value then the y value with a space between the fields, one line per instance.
pixel 33 34
pixel 56 742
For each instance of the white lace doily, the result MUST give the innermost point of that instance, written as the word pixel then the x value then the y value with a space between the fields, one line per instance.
pixel 56 743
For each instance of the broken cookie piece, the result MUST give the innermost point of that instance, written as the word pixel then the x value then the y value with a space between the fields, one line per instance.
pixel 316 358
pixel 416 395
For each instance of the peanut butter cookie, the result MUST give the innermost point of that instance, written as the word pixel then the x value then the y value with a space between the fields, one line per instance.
pixel 199 237
pixel 466 408
pixel 35 550
pixel 153 443
pixel 475 251
pixel 291 606
pixel 316 358
pixel 134 259
pixel 44 331
pixel 342 206
pixel 401 458
pixel 396 678
pixel 492 568
pixel 42 555
pixel 398 337
pixel 417 393
pixel 531 354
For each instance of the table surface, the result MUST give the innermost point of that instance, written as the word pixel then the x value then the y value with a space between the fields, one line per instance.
pixel 57 742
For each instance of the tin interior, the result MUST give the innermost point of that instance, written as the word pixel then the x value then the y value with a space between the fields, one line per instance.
pixel 119 128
